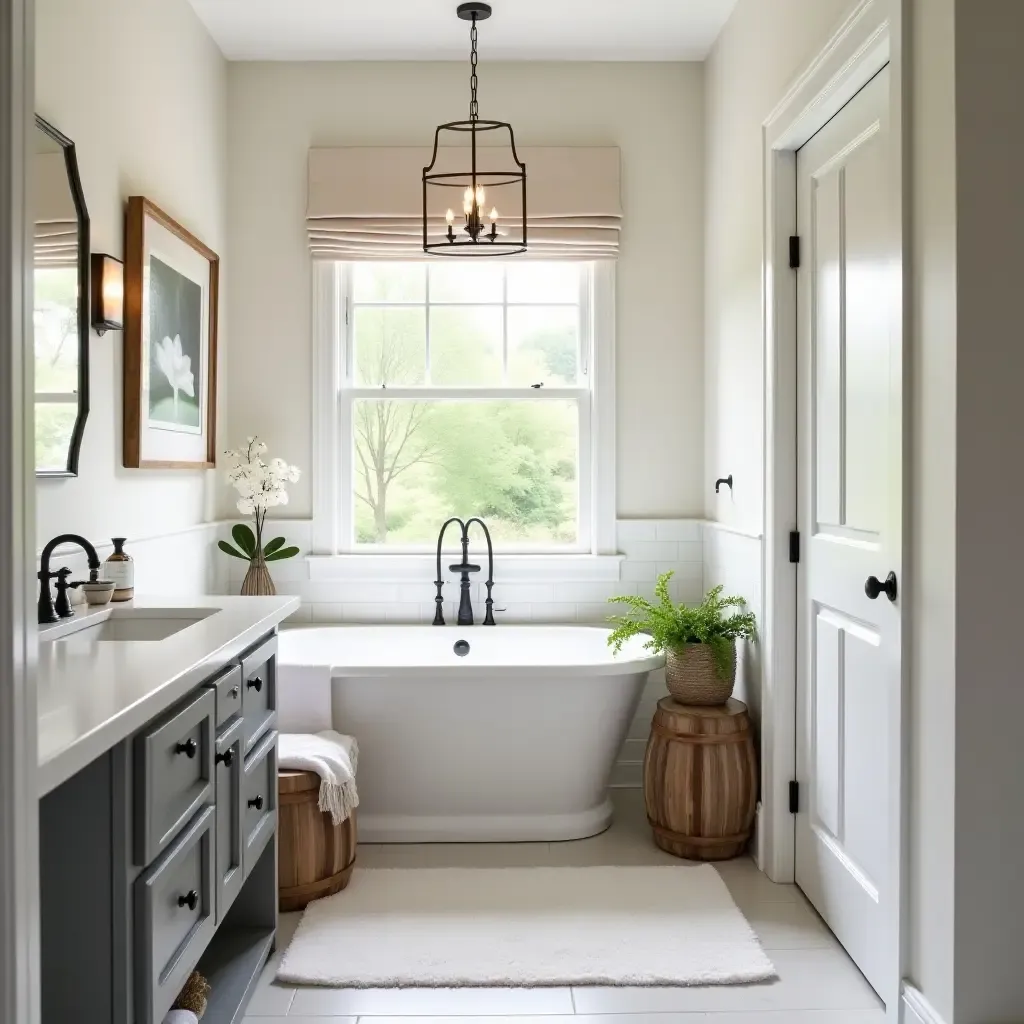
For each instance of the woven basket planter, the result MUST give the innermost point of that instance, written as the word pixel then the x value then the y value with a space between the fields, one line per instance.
pixel 693 677
pixel 258 581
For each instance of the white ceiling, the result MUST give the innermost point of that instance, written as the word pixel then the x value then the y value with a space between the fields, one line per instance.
pixel 429 29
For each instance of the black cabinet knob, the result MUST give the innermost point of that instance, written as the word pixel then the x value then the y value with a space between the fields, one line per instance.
pixel 191 900
pixel 189 749
pixel 227 758
pixel 255 684
pixel 257 803
pixel 873 587
pixel 234 693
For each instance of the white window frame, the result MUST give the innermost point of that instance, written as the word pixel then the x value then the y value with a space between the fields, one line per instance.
pixel 334 392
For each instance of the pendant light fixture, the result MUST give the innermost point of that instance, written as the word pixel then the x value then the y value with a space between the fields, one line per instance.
pixel 486 175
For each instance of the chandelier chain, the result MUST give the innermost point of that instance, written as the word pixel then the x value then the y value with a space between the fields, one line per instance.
pixel 474 106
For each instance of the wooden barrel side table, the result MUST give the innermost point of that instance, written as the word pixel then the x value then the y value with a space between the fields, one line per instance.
pixel 700 779
pixel 315 856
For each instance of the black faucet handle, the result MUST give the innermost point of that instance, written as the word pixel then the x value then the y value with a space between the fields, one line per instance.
pixel 62 606
pixel 464 567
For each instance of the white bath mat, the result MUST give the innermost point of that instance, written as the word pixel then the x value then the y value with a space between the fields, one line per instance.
pixel 453 927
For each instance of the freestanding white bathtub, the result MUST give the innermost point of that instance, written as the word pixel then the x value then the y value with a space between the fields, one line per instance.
pixel 514 741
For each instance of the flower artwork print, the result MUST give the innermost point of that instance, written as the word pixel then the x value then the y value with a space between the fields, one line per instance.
pixel 175 360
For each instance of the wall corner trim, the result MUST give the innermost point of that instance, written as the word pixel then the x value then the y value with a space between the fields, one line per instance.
pixel 915 1009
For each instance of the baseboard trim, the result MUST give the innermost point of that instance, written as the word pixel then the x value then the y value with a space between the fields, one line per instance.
pixel 917 1009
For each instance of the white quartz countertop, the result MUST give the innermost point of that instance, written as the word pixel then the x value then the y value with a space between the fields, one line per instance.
pixel 92 695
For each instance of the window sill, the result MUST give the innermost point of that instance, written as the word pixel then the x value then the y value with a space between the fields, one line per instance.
pixel 408 567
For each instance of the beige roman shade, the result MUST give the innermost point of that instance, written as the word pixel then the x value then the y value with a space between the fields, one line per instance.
pixel 367 202
pixel 56 244
pixel 56 219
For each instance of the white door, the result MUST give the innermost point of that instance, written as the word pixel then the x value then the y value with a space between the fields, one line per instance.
pixel 848 634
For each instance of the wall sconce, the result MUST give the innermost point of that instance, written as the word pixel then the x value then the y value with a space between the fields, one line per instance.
pixel 107 293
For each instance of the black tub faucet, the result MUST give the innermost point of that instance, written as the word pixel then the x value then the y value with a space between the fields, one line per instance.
pixel 47 612
pixel 464 568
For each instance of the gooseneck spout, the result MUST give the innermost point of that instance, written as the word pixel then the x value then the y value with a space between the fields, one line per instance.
pixel 439 582
pixel 46 611
pixel 489 603
pixel 464 568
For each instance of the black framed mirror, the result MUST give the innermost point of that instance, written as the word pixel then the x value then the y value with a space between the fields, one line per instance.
pixel 60 311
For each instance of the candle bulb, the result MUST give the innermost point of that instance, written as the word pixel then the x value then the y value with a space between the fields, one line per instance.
pixel 494 214
pixel 480 196
pixel 467 201
pixel 449 218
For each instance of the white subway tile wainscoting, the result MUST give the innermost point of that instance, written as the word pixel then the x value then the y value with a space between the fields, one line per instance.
pixel 529 588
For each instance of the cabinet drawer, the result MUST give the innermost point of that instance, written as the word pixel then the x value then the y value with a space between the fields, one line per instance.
pixel 259 796
pixel 230 864
pixel 228 687
pixel 259 690
pixel 173 773
pixel 175 918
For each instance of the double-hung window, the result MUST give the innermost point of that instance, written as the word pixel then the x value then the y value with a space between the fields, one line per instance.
pixel 466 388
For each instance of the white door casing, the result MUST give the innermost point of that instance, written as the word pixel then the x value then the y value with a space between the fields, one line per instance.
pixel 19 808
pixel 850 498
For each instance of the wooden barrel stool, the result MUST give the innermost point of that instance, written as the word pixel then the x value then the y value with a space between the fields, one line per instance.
pixel 700 779
pixel 315 856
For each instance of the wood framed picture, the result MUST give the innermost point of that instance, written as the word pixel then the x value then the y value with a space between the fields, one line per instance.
pixel 170 343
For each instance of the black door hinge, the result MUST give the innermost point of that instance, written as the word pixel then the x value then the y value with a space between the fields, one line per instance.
pixel 794 798
pixel 794 546
pixel 794 252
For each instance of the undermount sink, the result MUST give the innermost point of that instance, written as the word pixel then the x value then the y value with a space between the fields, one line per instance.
pixel 134 625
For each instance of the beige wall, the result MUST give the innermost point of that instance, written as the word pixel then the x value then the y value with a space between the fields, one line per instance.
pixel 931 581
pixel 141 89
pixel 654 112
pixel 989 825
pixel 762 49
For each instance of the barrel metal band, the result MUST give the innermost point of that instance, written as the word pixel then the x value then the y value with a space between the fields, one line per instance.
pixel 677 837
pixel 700 739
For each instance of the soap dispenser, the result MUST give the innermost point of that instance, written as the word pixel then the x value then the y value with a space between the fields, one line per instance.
pixel 120 567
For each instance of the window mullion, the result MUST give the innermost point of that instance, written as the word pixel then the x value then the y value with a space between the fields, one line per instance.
pixel 426 314
pixel 504 325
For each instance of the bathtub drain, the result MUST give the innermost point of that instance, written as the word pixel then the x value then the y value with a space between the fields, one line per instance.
pixel 461 648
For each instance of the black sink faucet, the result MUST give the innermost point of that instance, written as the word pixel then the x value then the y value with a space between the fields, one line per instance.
pixel 464 568
pixel 47 611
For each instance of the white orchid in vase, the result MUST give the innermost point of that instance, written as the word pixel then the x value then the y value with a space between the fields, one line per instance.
pixel 261 486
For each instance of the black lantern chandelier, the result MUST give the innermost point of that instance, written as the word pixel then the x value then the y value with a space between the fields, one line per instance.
pixel 488 183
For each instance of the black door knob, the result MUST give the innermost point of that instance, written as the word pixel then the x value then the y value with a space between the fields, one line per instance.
pixel 872 587
pixel 255 684
pixel 188 748
pixel 257 803
pixel 227 758
pixel 191 900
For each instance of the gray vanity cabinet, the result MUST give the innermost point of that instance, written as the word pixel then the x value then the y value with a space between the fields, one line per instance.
pixel 259 691
pixel 228 688
pixel 175 917
pixel 173 773
pixel 161 857
pixel 230 866
pixel 259 797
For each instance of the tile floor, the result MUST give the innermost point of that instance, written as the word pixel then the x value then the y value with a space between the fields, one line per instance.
pixel 818 984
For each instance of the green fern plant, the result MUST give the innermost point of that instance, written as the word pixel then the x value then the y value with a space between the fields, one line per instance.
pixel 672 626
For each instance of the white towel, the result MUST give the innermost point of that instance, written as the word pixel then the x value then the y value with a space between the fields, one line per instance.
pixel 303 698
pixel 334 758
